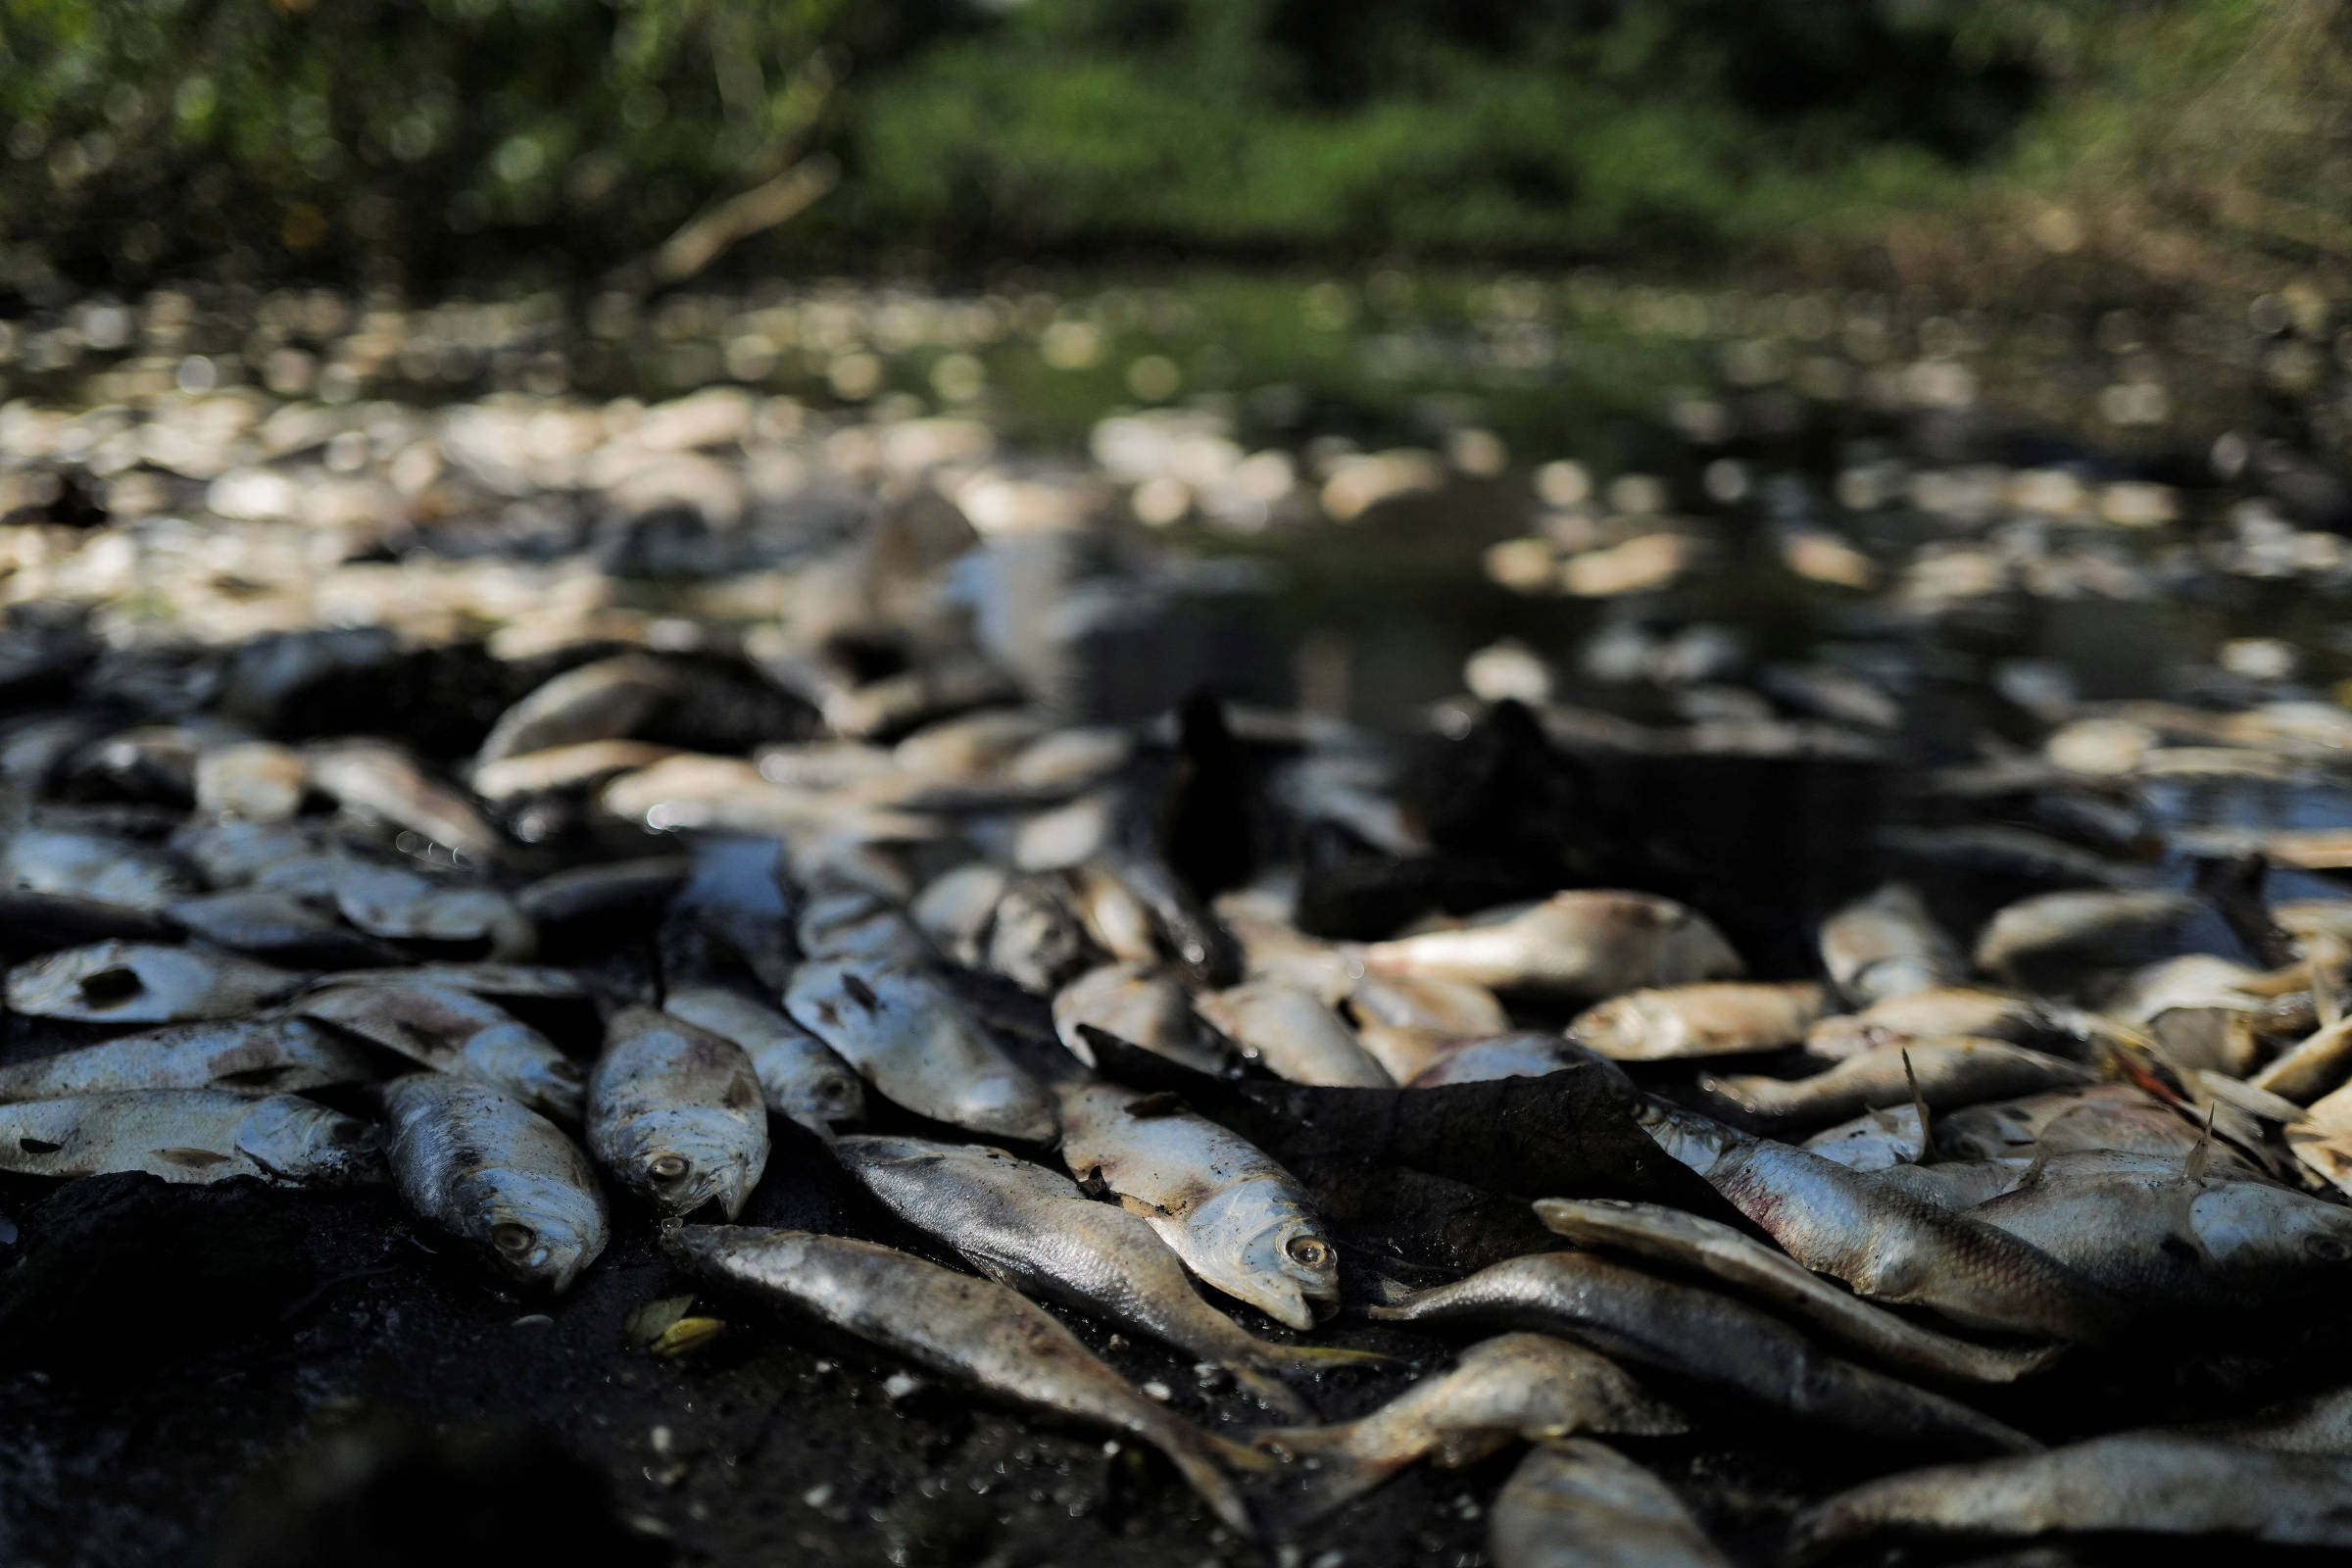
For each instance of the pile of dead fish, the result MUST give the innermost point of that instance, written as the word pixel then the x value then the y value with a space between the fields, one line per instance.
pixel 1952 1170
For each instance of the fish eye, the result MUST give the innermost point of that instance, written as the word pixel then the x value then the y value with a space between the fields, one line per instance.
pixel 666 1167
pixel 1309 1252
pixel 2329 1248
pixel 343 1132
pixel 834 1091
pixel 512 1239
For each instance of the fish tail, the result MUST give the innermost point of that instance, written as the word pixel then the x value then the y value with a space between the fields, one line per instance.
pixel 1329 1474
pixel 1201 1458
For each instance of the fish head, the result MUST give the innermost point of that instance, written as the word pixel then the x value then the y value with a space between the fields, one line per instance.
pixel 301 1141
pixel 2254 1226
pixel 536 1232
pixel 1255 1243
pixel 522 1062
pixel 687 1156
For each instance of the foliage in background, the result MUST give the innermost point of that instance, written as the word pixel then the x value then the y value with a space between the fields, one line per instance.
pixel 426 139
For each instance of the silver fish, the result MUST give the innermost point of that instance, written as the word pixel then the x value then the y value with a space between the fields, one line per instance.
pixel 188 1135
pixel 1583 1505
pixel 139 981
pixel 803 1080
pixel 249 1057
pixel 598 702
pixel 1884 1244
pixel 455 1031
pixel 2054 929
pixel 1528 1387
pixel 955 911
pixel 677 1113
pixel 859 925
pixel 2174 1237
pixel 377 780
pixel 1937 1010
pixel 1886 946
pixel 1525 1055
pixel 1876 1140
pixel 732 909
pixel 1699 1335
pixel 2065 1121
pixel 497 1174
pixel 1035 941
pixel 913 1039
pixel 1143 1004
pixel 1239 1221
pixel 974 1330
pixel 2138 1482
pixel 96 866
pixel 1716 1019
pixel 530 981
pixel 1031 1228
pixel 1704 1246
pixel 1294 1034
pixel 274 925
pixel 386 900
pixel 1590 944
pixel 1950 1073
pixel 259 781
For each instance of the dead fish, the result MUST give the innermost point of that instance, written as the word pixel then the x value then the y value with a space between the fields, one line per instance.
pixel 539 982
pixel 973 1330
pixel 1273 948
pixel 677 1113
pixel 971 747
pixel 259 781
pixel 278 926
pixel 955 911
pixel 1876 1140
pixel 599 701
pixel 188 1135
pixel 1884 1244
pixel 1195 940
pixel 732 910
pixel 1700 1335
pixel 231 852
pixel 1031 1228
pixel 1142 1003
pixel 2174 1236
pixel 2143 1482
pixel 859 925
pixel 2318 1423
pixel 2311 1067
pixel 1955 1186
pixel 1583 1505
pixel 1239 1221
pixel 1938 1011
pixel 95 866
pixel 1035 941
pixel 377 780
pixel 249 1057
pixel 1115 919
pixel 1527 1053
pixel 2055 930
pixel 456 1032
pixel 603 892
pixel 1723 1018
pixel 2096 1116
pixel 802 1080
pixel 497 1174
pixel 558 769
pixel 916 1042
pixel 1697 1245
pixel 386 900
pixel 1950 1073
pixel 1450 1007
pixel 1590 944
pixel 1294 1034
pixel 1527 1386
pixel 1887 946
pixel 140 982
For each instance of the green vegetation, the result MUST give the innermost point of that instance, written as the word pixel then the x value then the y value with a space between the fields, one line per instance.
pixel 425 139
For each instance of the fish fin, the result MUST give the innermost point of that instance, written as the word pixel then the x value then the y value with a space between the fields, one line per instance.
pixel 2192 1169
pixel 1293 1358
pixel 2191 1183
pixel 1327 1477
pixel 1198 1456
pixel 1387 1292
pixel 1919 1104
